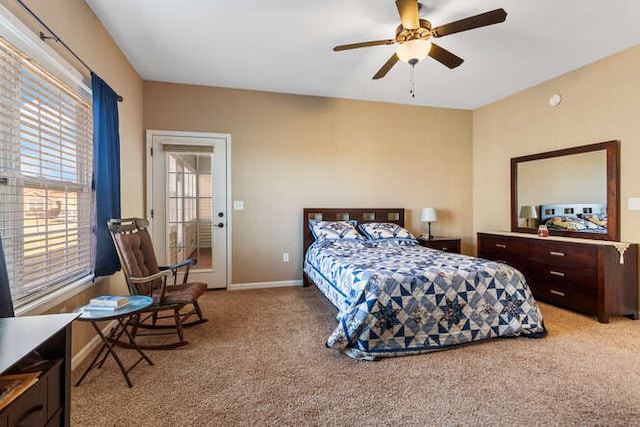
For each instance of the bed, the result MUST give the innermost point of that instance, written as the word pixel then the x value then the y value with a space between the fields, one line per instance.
pixel 396 298
pixel 580 217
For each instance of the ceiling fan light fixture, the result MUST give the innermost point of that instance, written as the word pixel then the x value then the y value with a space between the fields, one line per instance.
pixel 413 51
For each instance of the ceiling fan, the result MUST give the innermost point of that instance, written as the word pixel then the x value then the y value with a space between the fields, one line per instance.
pixel 413 34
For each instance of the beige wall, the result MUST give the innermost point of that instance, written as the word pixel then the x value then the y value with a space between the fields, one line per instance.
pixel 77 26
pixel 289 152
pixel 600 102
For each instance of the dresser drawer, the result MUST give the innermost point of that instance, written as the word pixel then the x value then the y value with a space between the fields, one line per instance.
pixel 585 280
pixel 564 294
pixel 506 250
pixel 558 253
pixel 502 246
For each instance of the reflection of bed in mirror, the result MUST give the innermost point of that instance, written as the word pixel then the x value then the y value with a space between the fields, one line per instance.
pixel 576 217
pixel 575 175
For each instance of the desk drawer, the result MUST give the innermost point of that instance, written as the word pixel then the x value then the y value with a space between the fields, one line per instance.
pixel 558 253
pixel 41 402
pixel 55 388
pixel 30 408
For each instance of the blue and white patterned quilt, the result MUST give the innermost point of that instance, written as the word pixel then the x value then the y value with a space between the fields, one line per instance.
pixel 397 298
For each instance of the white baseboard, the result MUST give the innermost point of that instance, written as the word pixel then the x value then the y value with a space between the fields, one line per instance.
pixel 91 345
pixel 263 285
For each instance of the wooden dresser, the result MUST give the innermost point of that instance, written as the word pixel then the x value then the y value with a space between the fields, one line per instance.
pixel 578 274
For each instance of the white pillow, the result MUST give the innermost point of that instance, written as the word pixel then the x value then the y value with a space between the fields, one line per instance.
pixel 385 230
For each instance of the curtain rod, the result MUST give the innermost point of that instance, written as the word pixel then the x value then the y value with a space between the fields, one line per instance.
pixel 55 37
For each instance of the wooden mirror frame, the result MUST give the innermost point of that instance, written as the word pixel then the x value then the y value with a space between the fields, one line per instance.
pixel 612 149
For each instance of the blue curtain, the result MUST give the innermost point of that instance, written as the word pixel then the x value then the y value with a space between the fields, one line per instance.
pixel 106 173
pixel 6 306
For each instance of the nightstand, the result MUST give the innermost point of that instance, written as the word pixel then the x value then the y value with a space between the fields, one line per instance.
pixel 445 244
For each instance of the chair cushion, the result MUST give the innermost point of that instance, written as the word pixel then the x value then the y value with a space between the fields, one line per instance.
pixel 180 294
pixel 139 259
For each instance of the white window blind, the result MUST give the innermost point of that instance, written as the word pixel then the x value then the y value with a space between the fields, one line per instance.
pixel 46 153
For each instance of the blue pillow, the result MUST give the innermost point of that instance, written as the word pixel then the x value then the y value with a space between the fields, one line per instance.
pixel 325 230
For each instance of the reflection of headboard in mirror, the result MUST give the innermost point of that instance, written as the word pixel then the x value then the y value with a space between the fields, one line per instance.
pixel 610 149
pixel 589 217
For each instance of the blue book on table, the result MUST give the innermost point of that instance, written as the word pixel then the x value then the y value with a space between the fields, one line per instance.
pixel 112 301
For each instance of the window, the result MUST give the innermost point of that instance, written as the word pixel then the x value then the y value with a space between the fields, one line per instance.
pixel 46 155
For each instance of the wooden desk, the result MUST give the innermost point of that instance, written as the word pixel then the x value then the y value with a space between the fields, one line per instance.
pixel 47 401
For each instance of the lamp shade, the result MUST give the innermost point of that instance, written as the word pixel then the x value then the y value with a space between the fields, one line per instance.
pixel 413 50
pixel 528 212
pixel 428 215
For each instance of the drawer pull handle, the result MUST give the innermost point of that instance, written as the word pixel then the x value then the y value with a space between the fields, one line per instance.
pixel 502 261
pixel 501 246
pixel 553 253
pixel 444 248
pixel 553 291
pixel 30 417
pixel 556 273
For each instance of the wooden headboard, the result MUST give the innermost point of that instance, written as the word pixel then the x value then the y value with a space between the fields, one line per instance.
pixel 361 215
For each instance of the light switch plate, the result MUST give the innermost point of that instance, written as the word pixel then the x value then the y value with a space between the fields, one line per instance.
pixel 238 205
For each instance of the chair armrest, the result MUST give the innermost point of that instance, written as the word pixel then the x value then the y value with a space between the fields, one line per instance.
pixel 187 263
pixel 163 274
pixel 158 275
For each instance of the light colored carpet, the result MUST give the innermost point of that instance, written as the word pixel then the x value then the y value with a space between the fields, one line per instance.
pixel 261 360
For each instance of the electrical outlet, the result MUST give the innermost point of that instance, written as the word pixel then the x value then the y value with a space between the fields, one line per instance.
pixel 285 257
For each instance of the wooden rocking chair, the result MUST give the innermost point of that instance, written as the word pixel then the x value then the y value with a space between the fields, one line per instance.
pixel 173 304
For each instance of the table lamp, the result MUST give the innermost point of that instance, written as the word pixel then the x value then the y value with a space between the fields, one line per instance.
pixel 528 212
pixel 429 216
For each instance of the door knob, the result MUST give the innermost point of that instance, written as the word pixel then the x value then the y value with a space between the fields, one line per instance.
pixel 220 225
pixel 220 214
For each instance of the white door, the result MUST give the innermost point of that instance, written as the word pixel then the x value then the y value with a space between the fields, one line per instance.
pixel 187 187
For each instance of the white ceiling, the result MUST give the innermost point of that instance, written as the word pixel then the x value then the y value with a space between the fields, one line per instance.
pixel 286 45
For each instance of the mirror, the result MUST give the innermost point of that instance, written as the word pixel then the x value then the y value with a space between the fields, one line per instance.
pixel 562 185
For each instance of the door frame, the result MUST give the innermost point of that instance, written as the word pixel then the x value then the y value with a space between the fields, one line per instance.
pixel 149 178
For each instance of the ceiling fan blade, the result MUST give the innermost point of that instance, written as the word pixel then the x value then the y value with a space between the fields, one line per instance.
pixel 408 10
pixel 445 57
pixel 386 67
pixel 477 21
pixel 362 44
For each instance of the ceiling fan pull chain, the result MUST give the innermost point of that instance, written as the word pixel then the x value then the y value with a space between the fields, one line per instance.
pixel 411 83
